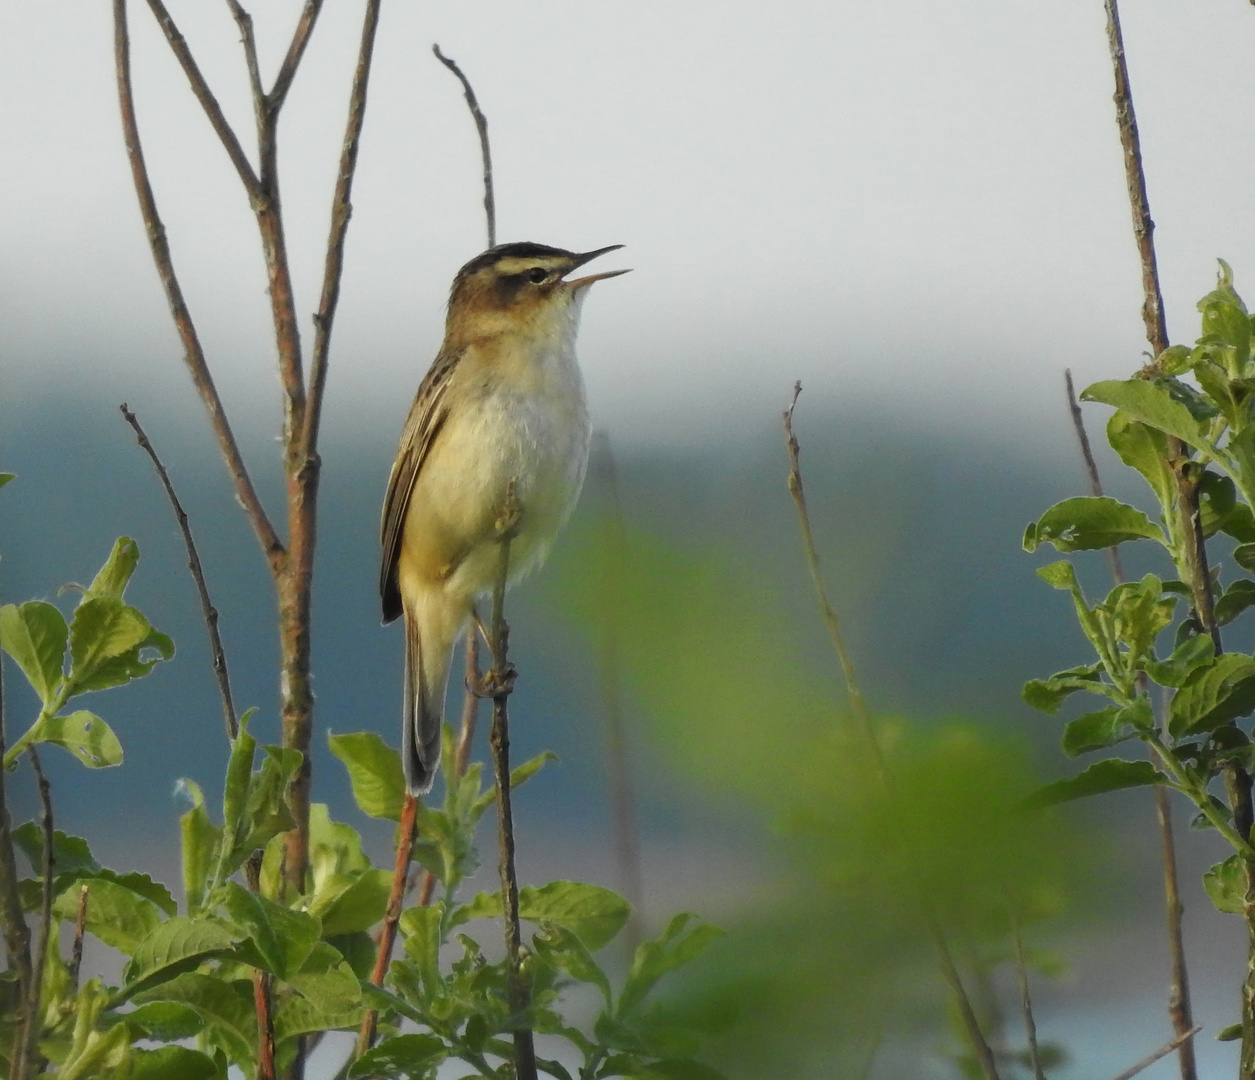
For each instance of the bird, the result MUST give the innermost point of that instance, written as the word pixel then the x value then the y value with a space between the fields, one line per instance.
pixel 500 415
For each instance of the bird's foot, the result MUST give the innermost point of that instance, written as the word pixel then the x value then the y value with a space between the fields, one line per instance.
pixel 496 683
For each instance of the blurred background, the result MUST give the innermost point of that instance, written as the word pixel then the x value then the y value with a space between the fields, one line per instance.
pixel 918 210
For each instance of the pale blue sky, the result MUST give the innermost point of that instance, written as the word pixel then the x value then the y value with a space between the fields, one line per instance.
pixel 917 201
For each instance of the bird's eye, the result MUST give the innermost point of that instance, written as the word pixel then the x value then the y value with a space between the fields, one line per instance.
pixel 537 274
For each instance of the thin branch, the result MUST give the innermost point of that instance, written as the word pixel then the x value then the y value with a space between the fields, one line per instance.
pixel 501 681
pixel 1180 1010
pixel 296 49
pixel 481 125
pixel 1026 1003
pixel 976 1039
pixel 208 611
pixel 193 353
pixel 80 930
pixel 341 211
pixel 622 795
pixel 29 1050
pixel 245 22
pixel 406 832
pixel 209 103
pixel 1162 1052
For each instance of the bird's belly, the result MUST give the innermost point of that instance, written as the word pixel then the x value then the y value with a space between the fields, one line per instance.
pixel 450 533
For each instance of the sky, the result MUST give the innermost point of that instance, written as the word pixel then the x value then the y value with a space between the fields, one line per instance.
pixel 920 205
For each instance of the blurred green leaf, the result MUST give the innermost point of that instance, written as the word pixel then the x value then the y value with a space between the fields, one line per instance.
pixel 677 1070
pixel 375 772
pixel 402 1057
pixel 169 1063
pixel 85 736
pixel 35 635
pixel 1244 556
pixel 676 946
pixel 5 477
pixel 1113 774
pixel 1087 523
pixel 1226 885
pixel 519 776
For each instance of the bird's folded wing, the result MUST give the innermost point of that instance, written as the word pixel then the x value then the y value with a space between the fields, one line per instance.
pixel 427 416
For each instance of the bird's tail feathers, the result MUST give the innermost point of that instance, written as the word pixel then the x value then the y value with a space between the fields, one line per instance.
pixel 426 670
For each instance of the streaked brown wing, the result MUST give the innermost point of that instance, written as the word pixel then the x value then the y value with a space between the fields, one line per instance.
pixel 427 416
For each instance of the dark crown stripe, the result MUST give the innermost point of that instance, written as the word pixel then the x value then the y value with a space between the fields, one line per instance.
pixel 519 250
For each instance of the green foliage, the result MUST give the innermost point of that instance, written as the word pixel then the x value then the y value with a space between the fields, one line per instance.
pixel 1202 734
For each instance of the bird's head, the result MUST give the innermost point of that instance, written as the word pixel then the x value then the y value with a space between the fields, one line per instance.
pixel 520 288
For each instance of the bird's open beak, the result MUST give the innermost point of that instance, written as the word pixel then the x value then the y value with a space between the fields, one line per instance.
pixel 588 256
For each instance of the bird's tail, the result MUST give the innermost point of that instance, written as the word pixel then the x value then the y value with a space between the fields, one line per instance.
pixel 426 672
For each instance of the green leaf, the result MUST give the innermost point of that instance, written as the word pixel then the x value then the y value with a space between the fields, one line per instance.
pixel 402 1057
pixel 103 629
pixel 518 777
pixel 116 915
pixel 170 1063
pixel 374 771
pixel 1048 694
pixel 1145 449
pixel 677 945
pixel 1194 652
pixel 1113 774
pixel 85 736
pixel 420 927
pixel 560 948
pixel 1226 885
pixel 1236 599
pixel 35 636
pixel 595 915
pixel 5 477
pixel 225 1007
pixel 1213 695
pixel 69 853
pixel 1087 523
pixel 358 907
pixel 1148 402
pixel 1244 556
pixel 1229 1034
pixel 200 846
pixel 112 579
pixel 174 946
pixel 1107 727
pixel 165 1021
pixel 677 1069
pixel 284 938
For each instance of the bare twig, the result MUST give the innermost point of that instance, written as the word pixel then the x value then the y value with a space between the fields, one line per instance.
pixel 1194 554
pixel 296 50
pixel 481 125
pixel 80 929
pixel 405 846
pixel 949 972
pixel 193 353
pixel 1162 1052
pixel 501 682
pixel 1026 1003
pixel 622 795
pixel 28 1052
pixel 245 22
pixel 341 211
pixel 1179 1007
pixel 207 608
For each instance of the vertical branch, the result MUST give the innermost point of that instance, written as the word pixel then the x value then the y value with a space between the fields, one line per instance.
pixel 28 1050
pixel 341 211
pixel 622 796
pixel 80 929
pixel 949 972
pixel 1194 555
pixel 207 608
pixel 1026 1004
pixel 481 125
pixel 1180 1010
pixel 16 932
pixel 406 831
pixel 193 353
pixel 501 680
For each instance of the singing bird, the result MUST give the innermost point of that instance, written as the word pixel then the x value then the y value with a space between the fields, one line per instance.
pixel 503 403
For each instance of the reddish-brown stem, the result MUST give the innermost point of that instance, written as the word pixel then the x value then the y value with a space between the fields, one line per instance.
pixel 406 832
pixel 208 611
pixel 27 1050
pixel 262 982
pixel 193 353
